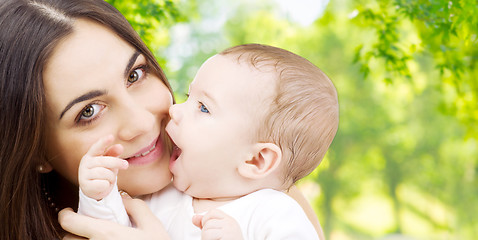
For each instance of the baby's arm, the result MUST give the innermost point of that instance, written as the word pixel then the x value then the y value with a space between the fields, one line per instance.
pixel 97 173
pixel 99 167
pixel 217 225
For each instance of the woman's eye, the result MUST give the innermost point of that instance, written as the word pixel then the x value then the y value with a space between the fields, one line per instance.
pixel 203 108
pixel 135 75
pixel 89 112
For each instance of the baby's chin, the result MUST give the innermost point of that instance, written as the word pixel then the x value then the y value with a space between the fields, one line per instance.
pixel 181 187
pixel 193 190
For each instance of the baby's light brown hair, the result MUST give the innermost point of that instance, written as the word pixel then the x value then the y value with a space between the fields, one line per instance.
pixel 304 114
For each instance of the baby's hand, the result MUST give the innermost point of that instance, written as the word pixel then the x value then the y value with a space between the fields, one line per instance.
pixel 99 167
pixel 217 225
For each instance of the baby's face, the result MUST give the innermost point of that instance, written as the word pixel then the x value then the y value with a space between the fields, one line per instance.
pixel 215 128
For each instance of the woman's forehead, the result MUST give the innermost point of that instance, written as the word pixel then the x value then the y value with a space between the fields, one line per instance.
pixel 87 59
pixel 90 43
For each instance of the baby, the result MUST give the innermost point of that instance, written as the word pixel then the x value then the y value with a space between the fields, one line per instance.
pixel 257 119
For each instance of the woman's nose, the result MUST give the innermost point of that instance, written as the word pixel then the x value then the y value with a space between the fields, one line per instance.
pixel 135 121
pixel 175 113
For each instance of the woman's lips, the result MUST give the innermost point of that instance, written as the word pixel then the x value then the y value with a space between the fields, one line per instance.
pixel 148 154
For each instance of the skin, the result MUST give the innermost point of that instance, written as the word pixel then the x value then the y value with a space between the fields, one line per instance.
pixel 134 113
pixel 94 59
pixel 99 168
pixel 147 225
pixel 209 130
pixel 225 98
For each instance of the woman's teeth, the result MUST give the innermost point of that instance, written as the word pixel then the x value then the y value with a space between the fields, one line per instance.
pixel 146 153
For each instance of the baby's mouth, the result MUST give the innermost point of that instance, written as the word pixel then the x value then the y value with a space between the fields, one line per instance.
pixel 175 154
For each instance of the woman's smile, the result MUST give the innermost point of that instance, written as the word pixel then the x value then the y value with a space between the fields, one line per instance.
pixel 148 154
pixel 124 98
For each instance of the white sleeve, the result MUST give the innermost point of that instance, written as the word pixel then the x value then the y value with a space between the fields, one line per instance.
pixel 109 208
pixel 284 219
pixel 289 225
pixel 271 215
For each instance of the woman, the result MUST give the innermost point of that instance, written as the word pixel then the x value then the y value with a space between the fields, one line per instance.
pixel 64 89
pixel 72 71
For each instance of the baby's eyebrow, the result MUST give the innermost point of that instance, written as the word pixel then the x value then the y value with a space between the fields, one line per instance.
pixel 207 95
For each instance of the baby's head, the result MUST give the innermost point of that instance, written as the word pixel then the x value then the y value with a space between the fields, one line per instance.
pixel 303 116
pixel 256 117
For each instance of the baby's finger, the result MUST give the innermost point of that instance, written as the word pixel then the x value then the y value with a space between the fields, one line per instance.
pixel 211 234
pixel 99 147
pixel 219 225
pixel 211 224
pixel 197 220
pixel 114 151
pixel 100 173
pixel 213 214
pixel 100 184
pixel 97 188
pixel 111 163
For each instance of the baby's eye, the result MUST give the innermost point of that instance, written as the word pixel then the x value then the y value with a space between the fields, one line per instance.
pixel 203 108
pixel 135 75
pixel 89 112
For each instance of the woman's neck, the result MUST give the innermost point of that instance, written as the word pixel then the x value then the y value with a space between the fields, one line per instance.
pixel 64 193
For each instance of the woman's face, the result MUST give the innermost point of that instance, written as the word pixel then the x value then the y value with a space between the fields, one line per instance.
pixel 96 84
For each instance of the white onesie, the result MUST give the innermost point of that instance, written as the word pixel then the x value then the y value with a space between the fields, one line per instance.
pixel 264 214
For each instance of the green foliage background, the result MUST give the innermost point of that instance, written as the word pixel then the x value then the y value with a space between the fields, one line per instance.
pixel 405 158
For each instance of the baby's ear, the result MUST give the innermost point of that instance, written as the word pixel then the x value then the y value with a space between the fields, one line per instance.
pixel 265 159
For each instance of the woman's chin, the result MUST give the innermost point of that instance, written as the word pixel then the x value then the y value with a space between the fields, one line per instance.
pixel 146 184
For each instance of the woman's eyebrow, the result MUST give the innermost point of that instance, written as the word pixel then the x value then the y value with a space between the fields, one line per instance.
pixel 84 97
pixel 97 93
pixel 131 62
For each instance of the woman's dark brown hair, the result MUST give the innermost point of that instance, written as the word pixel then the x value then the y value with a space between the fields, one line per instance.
pixel 29 31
